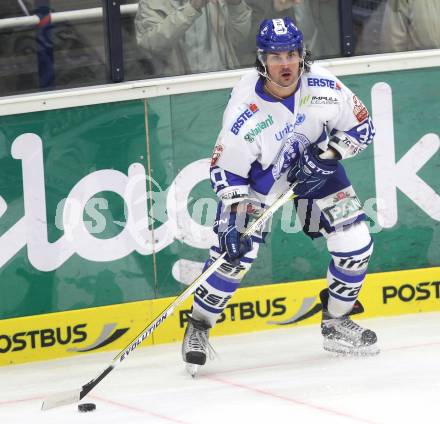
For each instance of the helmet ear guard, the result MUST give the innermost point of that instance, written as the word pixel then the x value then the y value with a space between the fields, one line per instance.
pixel 303 54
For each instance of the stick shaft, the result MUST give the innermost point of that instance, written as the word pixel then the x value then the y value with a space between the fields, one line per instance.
pixel 72 396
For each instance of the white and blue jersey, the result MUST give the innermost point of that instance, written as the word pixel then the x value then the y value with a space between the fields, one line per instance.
pixel 261 137
pixel 260 140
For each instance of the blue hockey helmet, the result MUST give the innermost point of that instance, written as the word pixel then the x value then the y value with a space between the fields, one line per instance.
pixel 277 35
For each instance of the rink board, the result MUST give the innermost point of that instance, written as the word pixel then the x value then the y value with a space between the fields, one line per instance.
pixel 256 308
pixel 73 234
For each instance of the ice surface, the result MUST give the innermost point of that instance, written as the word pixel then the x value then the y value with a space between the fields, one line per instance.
pixel 279 376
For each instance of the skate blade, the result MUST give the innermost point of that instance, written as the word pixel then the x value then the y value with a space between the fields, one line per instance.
pixel 344 350
pixel 192 369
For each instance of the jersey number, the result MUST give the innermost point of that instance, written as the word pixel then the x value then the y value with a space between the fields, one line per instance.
pixel 218 178
pixel 366 132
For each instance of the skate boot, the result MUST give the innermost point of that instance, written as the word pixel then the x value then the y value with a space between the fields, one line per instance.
pixel 196 345
pixel 344 336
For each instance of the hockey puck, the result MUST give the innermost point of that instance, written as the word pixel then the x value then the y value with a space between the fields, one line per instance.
pixel 86 407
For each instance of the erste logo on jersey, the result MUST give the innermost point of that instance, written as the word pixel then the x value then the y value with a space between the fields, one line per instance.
pixel 323 82
pixel 239 122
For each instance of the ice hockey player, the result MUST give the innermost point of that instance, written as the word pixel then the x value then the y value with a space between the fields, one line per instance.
pixel 288 121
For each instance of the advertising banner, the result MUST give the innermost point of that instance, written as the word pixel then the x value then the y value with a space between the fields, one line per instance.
pixel 64 242
pixel 99 208
pixel 263 307
pixel 64 334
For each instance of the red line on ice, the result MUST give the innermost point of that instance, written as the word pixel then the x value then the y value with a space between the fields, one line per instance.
pixel 10 402
pixel 136 409
pixel 291 400
pixel 309 360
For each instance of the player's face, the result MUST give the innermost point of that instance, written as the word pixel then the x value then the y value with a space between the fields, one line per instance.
pixel 283 67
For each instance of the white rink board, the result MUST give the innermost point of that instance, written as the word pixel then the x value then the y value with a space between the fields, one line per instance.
pixel 280 376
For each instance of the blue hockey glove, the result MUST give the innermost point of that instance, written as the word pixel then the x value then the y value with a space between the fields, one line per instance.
pixel 310 172
pixel 230 239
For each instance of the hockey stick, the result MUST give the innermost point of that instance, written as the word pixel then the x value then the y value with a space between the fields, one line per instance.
pixel 72 396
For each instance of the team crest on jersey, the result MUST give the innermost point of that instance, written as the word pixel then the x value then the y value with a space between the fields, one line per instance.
pixel 218 150
pixel 359 110
pixel 292 147
pixel 243 117
pixel 285 158
pixel 302 141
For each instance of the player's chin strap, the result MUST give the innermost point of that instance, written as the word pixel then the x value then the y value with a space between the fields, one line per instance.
pixel 265 74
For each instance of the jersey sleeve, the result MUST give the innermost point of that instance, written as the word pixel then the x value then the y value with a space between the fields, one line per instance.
pixel 351 131
pixel 234 154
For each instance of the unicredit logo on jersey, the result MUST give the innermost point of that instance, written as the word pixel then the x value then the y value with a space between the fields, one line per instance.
pixel 323 82
pixel 244 116
pixel 288 129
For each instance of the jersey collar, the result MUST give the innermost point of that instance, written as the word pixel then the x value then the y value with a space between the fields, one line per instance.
pixel 288 102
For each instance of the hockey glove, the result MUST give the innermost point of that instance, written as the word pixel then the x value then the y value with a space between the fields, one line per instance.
pixel 310 172
pixel 230 239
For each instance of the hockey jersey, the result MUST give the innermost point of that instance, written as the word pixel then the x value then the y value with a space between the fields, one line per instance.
pixel 261 137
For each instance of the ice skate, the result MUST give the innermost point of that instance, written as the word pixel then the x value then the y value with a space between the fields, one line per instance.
pixel 196 345
pixel 344 336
